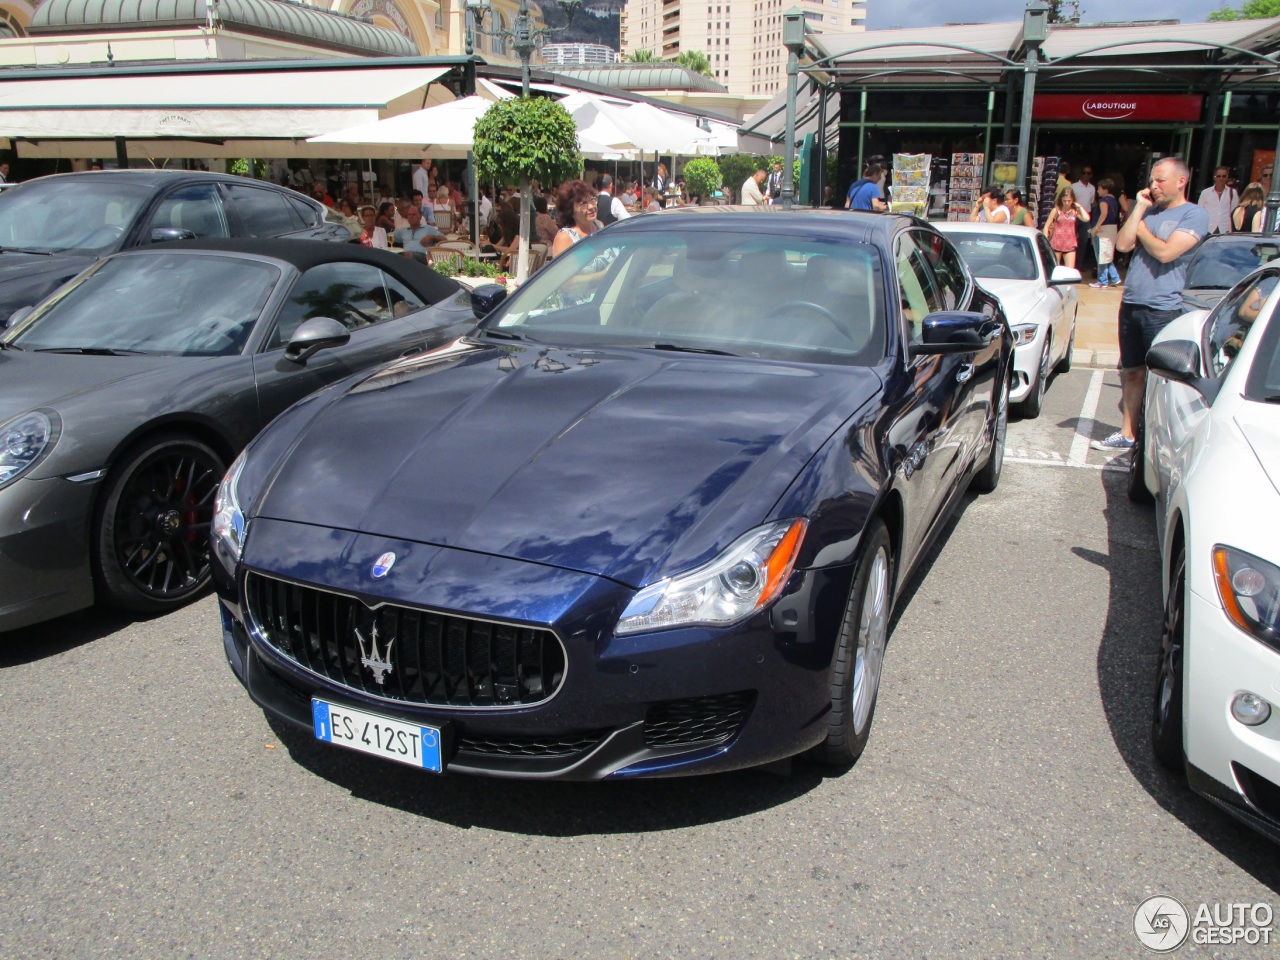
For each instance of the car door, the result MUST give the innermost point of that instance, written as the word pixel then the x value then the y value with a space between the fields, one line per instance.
pixel 1061 301
pixel 377 309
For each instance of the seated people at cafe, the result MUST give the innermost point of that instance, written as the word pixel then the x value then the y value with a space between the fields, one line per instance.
pixel 349 218
pixel 372 234
pixel 427 210
pixel 386 218
pixel 419 234
pixel 509 226
pixel 544 225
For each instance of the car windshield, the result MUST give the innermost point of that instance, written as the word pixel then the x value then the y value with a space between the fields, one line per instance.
pixel 69 214
pixel 172 304
pixel 769 296
pixel 1220 264
pixel 996 256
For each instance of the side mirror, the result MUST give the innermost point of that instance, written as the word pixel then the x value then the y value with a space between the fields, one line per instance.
pixel 18 316
pixel 1064 275
pixel 1180 360
pixel 485 299
pixel 318 333
pixel 167 234
pixel 955 331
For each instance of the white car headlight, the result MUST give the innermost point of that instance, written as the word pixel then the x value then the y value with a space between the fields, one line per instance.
pixel 24 441
pixel 1023 333
pixel 744 578
pixel 1249 588
pixel 229 525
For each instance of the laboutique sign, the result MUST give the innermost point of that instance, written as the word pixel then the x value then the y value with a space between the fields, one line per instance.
pixel 1112 107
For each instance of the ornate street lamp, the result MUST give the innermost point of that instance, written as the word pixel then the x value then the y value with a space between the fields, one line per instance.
pixel 524 36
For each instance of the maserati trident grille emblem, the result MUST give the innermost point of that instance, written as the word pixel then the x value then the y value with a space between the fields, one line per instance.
pixel 377 662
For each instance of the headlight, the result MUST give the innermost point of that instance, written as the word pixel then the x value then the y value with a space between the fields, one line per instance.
pixel 1023 333
pixel 743 579
pixel 24 441
pixel 228 521
pixel 1250 592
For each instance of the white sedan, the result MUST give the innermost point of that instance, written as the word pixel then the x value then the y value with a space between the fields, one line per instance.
pixel 1039 297
pixel 1209 454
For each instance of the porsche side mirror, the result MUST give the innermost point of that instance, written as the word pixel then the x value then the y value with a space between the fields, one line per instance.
pixel 485 299
pixel 1180 360
pixel 169 234
pixel 955 331
pixel 1064 275
pixel 318 333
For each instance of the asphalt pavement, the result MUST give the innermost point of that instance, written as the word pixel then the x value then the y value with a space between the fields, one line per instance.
pixel 1007 805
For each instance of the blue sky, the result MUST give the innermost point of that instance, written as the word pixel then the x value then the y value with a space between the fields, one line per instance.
pixel 883 14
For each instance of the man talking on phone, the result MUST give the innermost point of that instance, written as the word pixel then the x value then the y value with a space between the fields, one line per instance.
pixel 1162 227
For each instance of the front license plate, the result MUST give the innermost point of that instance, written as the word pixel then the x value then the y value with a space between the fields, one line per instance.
pixel 381 736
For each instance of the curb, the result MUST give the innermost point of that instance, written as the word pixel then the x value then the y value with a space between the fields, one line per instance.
pixel 1088 357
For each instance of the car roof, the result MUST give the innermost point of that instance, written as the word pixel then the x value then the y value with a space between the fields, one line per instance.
pixel 305 254
pixel 155 177
pixel 834 224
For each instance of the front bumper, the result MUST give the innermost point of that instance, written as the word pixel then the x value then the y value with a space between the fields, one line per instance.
pixel 667 703
pixel 44 550
pixel 1235 765
pixel 1026 367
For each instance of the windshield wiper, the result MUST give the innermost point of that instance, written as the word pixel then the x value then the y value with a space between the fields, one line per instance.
pixel 93 351
pixel 38 253
pixel 681 348
pixel 1271 398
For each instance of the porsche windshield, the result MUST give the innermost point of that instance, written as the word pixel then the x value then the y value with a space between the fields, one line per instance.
pixel 55 215
pixel 172 304
pixel 770 296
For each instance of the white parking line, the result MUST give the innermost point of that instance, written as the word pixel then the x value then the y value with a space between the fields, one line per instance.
pixel 1084 426
pixel 1042 462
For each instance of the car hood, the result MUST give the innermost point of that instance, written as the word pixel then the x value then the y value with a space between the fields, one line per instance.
pixel 1260 425
pixel 27 278
pixel 622 463
pixel 1018 297
pixel 54 380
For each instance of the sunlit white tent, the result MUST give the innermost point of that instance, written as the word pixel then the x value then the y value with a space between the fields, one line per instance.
pixel 639 127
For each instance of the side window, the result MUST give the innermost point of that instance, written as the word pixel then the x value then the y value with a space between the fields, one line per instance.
pixel 915 287
pixel 262 213
pixel 947 267
pixel 197 208
pixel 1047 259
pixel 309 215
pixel 1232 320
pixel 354 294
pixel 400 299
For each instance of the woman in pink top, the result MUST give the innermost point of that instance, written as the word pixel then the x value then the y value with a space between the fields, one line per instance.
pixel 1060 228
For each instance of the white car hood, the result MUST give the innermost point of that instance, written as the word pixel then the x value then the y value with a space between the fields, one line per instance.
pixel 1018 297
pixel 1260 425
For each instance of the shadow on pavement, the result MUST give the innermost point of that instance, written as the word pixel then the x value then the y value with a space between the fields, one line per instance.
pixel 53 637
pixel 549 809
pixel 1126 679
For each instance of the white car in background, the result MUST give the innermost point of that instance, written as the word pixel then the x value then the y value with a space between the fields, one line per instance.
pixel 1039 297
pixel 1208 452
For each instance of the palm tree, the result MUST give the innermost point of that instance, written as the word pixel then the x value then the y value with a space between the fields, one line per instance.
pixel 642 56
pixel 696 61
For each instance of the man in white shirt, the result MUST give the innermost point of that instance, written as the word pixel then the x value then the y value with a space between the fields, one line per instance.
pixel 486 208
pixel 1086 195
pixel 422 177
pixel 1218 201
pixel 751 195
pixel 608 207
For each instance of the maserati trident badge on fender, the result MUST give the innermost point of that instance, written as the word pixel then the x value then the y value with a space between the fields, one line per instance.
pixel 378 663
pixel 382 566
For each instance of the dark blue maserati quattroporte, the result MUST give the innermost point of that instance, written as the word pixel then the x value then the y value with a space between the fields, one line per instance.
pixel 649 518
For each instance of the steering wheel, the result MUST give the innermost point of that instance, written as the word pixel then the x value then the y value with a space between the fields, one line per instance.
pixel 819 311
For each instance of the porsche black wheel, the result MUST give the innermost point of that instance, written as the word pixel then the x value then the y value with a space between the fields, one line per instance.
pixel 152 551
pixel 1166 720
pixel 860 649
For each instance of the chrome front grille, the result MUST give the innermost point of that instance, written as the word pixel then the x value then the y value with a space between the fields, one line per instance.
pixel 402 653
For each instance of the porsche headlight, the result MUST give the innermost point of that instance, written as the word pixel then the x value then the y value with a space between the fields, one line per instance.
pixel 229 525
pixel 1023 333
pixel 24 441
pixel 744 578
pixel 1249 589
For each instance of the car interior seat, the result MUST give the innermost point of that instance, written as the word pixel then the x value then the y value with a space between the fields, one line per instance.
pixel 699 292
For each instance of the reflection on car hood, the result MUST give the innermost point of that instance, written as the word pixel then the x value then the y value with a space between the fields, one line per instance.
pixel 29 380
pixel 1260 424
pixel 27 278
pixel 1018 297
pixel 624 463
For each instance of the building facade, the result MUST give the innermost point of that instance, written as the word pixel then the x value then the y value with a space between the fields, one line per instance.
pixel 578 54
pixel 742 39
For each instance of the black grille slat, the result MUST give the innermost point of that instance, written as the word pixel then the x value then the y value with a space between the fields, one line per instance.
pixel 435 658
pixel 698 720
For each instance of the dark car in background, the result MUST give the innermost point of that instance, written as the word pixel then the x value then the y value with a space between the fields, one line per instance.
pixel 649 519
pixel 1222 260
pixel 124 396
pixel 53 227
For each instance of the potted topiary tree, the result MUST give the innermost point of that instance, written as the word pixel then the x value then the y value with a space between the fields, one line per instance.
pixel 526 139
pixel 702 177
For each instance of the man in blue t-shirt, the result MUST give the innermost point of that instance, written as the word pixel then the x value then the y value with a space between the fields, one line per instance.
pixel 864 194
pixel 1161 229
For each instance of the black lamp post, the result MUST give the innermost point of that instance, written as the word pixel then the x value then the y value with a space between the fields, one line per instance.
pixel 525 37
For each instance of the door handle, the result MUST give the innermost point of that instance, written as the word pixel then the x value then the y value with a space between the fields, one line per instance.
pixel 964 373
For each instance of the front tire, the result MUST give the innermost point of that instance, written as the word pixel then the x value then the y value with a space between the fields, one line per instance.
pixel 1166 720
pixel 1137 485
pixel 1064 365
pixel 151 552
pixel 864 634
pixel 1034 403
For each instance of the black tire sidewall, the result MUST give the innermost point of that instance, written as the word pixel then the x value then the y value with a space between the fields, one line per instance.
pixel 1166 731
